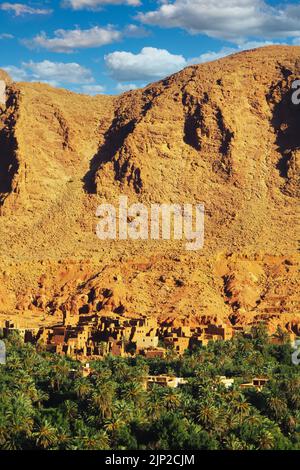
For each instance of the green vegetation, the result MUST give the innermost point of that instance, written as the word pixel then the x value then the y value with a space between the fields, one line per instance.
pixel 45 403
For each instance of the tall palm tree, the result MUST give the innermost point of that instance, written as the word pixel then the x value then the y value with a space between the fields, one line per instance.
pixel 60 373
pixel 242 408
pixel 102 399
pixel 171 399
pixel 82 388
pixel 207 416
pixel 113 424
pixel 277 407
pixel 155 402
pixel 70 409
pixel 20 414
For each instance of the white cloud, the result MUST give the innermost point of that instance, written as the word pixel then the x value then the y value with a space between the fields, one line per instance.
pixel 233 20
pixel 97 4
pixel 55 73
pixel 20 9
pixel 92 89
pixel 6 36
pixel 225 51
pixel 150 63
pixel 17 73
pixel 68 40
pixel 121 87
pixel 212 55
pixel 59 71
pixel 134 31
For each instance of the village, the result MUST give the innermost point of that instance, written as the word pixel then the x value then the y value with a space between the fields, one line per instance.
pixel 96 336
pixel 91 337
pixel 86 337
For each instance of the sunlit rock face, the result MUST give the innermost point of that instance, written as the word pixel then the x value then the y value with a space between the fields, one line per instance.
pixel 2 92
pixel 224 134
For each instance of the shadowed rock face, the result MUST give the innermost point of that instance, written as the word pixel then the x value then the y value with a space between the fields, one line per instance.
pixel 223 133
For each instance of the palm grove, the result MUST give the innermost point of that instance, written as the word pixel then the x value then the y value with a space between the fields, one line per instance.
pixel 45 403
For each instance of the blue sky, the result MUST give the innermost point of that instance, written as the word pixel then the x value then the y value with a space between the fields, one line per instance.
pixel 109 46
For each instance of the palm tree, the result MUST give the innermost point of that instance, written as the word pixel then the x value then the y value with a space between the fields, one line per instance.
pixel 97 441
pixel 155 402
pixel 124 410
pixel 45 435
pixel 242 408
pixel 18 423
pixel 292 387
pixel 60 372
pixel 102 399
pixel 82 388
pixel 20 414
pixel 70 409
pixel 13 442
pixel 113 424
pixel 266 440
pixel 63 439
pixel 253 420
pixel 13 361
pixel 171 399
pixel 134 392
pixel 42 396
pixel 277 407
pixel 232 442
pixel 207 416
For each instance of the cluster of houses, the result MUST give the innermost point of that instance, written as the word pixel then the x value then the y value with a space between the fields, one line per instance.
pixel 92 337
pixel 97 336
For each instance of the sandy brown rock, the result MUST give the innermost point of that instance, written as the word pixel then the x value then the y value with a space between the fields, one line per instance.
pixel 223 133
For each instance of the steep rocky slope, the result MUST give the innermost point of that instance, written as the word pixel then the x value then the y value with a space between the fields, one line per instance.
pixel 224 133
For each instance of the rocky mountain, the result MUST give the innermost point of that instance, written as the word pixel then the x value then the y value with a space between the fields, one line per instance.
pixel 223 133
